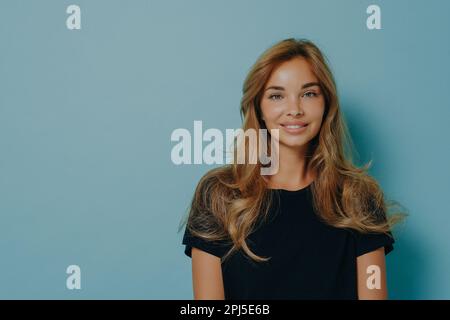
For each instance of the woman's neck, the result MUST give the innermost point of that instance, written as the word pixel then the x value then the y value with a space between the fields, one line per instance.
pixel 293 172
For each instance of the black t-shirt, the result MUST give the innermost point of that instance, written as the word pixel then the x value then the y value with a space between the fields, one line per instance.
pixel 310 259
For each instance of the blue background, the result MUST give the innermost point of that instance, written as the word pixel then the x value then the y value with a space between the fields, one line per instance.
pixel 86 117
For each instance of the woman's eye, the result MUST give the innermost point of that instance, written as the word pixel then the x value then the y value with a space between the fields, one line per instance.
pixel 310 94
pixel 275 97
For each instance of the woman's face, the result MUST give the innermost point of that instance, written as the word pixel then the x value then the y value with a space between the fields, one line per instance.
pixel 293 103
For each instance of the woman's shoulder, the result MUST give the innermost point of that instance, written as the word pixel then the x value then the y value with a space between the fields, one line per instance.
pixel 209 203
pixel 363 201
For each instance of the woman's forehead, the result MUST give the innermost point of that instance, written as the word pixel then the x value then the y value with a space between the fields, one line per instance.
pixel 294 73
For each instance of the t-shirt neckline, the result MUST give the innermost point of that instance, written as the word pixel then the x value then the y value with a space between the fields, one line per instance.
pixel 294 191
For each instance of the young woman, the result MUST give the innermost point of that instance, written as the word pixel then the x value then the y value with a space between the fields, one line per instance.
pixel 317 228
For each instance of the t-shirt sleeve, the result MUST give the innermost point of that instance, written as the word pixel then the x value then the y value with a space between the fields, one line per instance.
pixel 368 242
pixel 216 248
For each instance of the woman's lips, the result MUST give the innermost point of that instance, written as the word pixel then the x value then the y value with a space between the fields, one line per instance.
pixel 294 128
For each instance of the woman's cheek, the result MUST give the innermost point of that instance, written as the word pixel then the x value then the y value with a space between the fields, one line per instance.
pixel 317 125
pixel 270 118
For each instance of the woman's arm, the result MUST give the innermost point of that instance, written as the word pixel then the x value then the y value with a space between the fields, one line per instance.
pixel 371 269
pixel 206 276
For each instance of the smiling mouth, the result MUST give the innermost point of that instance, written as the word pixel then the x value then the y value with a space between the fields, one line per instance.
pixel 294 126
pixel 295 129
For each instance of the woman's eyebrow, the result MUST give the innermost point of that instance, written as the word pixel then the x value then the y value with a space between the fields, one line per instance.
pixel 306 85
pixel 310 84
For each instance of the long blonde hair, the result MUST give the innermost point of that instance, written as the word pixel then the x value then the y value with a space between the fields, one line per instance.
pixel 229 200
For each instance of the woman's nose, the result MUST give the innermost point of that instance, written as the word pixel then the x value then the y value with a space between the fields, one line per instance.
pixel 294 107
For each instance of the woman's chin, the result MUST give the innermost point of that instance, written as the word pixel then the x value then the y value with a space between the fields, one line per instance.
pixel 299 144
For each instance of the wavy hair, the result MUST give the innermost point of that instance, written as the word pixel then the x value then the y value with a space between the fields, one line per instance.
pixel 229 200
